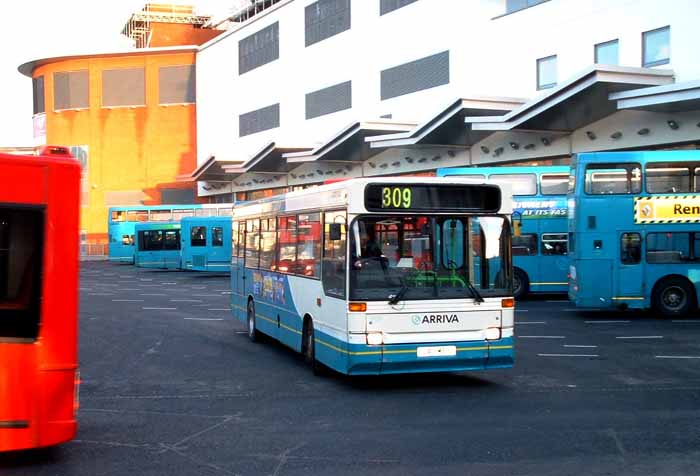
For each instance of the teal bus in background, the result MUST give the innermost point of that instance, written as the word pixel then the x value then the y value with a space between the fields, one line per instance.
pixel 121 222
pixel 206 244
pixel 157 245
pixel 634 230
pixel 540 261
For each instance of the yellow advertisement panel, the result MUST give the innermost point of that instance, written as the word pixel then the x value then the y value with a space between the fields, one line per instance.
pixel 667 209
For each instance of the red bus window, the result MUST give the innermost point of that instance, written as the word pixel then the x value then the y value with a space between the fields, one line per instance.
pixel 21 247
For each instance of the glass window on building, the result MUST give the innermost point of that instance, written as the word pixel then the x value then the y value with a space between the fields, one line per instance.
pixel 515 5
pixel 326 18
pixel 656 47
pixel 387 6
pixel 70 90
pixel 38 98
pixel 607 52
pixel 123 87
pixel 176 85
pixel 667 177
pixel 547 72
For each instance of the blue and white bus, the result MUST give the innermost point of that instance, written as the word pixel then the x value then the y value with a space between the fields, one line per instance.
pixel 206 244
pixel 121 222
pixel 157 245
pixel 540 262
pixel 634 224
pixel 378 276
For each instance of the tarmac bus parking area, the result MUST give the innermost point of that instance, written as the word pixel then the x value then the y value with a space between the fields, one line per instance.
pixel 171 385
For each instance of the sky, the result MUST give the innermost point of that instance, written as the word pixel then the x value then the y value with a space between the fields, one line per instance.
pixel 36 29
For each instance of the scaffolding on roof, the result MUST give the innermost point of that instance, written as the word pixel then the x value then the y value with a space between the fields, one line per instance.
pixel 138 28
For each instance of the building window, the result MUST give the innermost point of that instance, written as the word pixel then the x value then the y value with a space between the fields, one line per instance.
pixel 259 120
pixel 326 18
pixel 656 47
pixel 547 72
pixel 515 5
pixel 425 73
pixel 329 100
pixel 607 53
pixel 259 48
pixel 386 6
pixel 630 248
pixel 38 95
pixel 70 90
pixel 123 87
pixel 176 85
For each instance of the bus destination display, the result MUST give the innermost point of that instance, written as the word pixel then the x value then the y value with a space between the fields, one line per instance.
pixel 420 197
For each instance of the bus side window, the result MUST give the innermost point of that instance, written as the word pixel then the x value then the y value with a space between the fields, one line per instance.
pixel 525 245
pixel 333 268
pixel 267 244
pixel 309 245
pixel 217 236
pixel 554 244
pixel 198 236
pixel 631 248
pixel 252 244
pixel 286 244
pixel 234 239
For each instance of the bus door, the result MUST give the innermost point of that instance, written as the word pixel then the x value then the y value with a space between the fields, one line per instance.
pixel 630 275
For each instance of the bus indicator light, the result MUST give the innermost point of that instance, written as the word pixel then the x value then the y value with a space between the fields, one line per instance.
pixel 508 303
pixel 357 307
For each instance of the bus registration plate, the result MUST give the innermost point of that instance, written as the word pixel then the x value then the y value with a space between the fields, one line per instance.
pixel 437 351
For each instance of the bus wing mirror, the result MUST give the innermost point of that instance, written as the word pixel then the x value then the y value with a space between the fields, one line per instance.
pixel 335 232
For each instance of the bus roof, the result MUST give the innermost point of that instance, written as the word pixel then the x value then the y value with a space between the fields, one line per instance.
pixel 516 169
pixel 639 156
pixel 350 194
pixel 205 219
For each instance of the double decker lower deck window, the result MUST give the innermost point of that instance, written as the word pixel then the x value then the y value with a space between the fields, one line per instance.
pixel 525 244
pixel 672 247
pixel 21 251
pixel 554 244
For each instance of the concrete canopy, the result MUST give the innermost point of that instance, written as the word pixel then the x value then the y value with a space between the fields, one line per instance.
pixel 269 159
pixel 447 126
pixel 349 144
pixel 576 103
pixel 212 170
pixel 678 97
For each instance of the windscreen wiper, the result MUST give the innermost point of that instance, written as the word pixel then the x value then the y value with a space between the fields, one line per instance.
pixel 475 293
pixel 393 300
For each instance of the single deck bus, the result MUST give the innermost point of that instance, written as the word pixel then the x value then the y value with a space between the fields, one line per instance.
pixel 377 276
pixel 540 262
pixel 158 245
pixel 39 210
pixel 206 244
pixel 121 222
pixel 634 224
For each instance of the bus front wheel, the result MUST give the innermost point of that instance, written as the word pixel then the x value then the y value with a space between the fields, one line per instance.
pixel 521 283
pixel 673 297
pixel 252 328
pixel 310 347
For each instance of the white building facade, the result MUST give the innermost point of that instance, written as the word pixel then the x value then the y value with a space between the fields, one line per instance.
pixel 301 88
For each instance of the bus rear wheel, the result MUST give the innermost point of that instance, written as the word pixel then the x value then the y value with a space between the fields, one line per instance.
pixel 521 284
pixel 674 297
pixel 310 348
pixel 252 328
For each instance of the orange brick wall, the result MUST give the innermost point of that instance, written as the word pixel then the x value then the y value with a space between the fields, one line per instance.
pixel 130 148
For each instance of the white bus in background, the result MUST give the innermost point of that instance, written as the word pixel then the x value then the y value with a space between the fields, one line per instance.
pixel 381 275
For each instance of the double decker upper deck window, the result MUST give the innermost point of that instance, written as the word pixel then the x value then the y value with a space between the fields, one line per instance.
pixel 612 179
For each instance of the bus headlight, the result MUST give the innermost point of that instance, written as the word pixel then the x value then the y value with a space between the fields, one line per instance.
pixel 493 333
pixel 375 338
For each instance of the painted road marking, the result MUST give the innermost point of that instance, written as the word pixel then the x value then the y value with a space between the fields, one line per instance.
pixel 530 322
pixel 677 356
pixel 203 319
pixel 568 355
pixel 559 300
pixel 145 279
pixel 541 337
pixel 159 308
pixel 226 292
pixel 241 332
pixel 224 309
pixel 640 337
pixel 606 322
pixel 100 294
pixel 185 300
pixel 169 283
pixel 206 295
pixel 152 294
pixel 127 300
pixel 522 310
pixel 129 289
pixel 581 346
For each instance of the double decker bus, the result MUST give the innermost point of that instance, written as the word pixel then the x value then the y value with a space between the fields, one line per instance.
pixel 634 225
pixel 206 244
pixel 540 245
pixel 122 220
pixel 39 210
pixel 378 276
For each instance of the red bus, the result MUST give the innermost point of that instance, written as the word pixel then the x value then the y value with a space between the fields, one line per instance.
pixel 39 206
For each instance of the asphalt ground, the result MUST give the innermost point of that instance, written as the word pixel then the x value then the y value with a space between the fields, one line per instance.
pixel 172 386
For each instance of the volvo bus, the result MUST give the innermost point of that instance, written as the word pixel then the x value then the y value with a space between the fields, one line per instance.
pixel 540 245
pixel 121 222
pixel 634 224
pixel 379 276
pixel 206 244
pixel 39 210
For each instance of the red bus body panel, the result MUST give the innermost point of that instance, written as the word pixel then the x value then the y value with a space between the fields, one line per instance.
pixel 38 378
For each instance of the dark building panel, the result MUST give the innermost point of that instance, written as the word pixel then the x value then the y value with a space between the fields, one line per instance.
pixel 425 73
